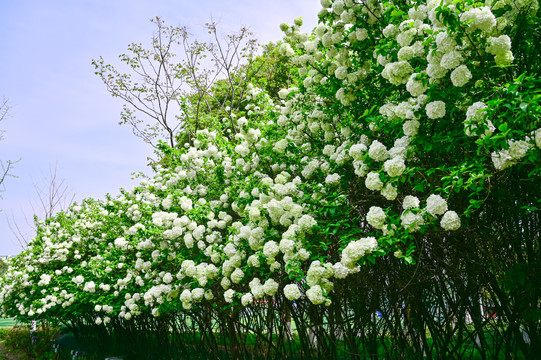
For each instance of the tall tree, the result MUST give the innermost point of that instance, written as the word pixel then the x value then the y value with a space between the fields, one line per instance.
pixel 171 91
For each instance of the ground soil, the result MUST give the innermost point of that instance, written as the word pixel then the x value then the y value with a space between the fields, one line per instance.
pixel 5 355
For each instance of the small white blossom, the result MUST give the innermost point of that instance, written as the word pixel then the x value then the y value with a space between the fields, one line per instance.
pixel 315 295
pixel 410 202
pixel 376 217
pixel 450 221
pixel 332 179
pixel 460 76
pixel 394 167
pixel 373 182
pixel 411 221
pixel 436 205
pixel 247 299
pixel 292 292
pixel 435 109
pixel 378 151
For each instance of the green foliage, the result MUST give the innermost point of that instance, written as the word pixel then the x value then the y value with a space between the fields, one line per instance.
pixel 3 266
pixel 400 176
pixel 18 340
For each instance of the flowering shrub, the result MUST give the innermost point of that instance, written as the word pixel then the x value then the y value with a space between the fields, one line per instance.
pixel 406 115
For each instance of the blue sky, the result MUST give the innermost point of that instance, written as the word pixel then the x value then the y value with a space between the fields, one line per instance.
pixel 62 114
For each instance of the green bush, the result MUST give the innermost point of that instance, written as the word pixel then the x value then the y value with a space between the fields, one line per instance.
pixel 18 340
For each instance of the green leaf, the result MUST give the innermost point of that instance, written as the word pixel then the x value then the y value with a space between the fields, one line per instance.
pixel 419 187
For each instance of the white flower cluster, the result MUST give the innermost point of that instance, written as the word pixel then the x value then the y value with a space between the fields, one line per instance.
pixel 500 47
pixel 243 208
pixel 476 119
pixel 376 217
pixel 505 158
pixel 357 249
pixel 435 109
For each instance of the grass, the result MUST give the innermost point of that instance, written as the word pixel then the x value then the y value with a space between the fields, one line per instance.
pixel 6 323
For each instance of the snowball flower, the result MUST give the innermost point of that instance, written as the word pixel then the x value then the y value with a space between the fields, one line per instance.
pixel 287 246
pixel 537 136
pixel 292 292
pixel 415 87
pixel 357 151
pixel 306 222
pixel 340 270
pixel 389 192
pixel 315 295
pixel 45 280
pixel 460 76
pixel 378 151
pixel 390 31
pixel 283 93
pixel 197 294
pixel 451 60
pixel 435 71
pixel 186 296
pixel 280 146
pixel 435 109
pixel 90 287
pixel 373 182
pixel 479 19
pixel 504 59
pixel 411 127
pixel 502 159
pixel 376 217
pixel 410 202
pixel 242 150
pixel 228 295
pixel 341 72
pixel 518 148
pixel 360 168
pixel 475 115
pixel 445 42
pixel 271 249
pixel 476 112
pixel 395 166
pixel 436 205
pixel 270 287
pixel 450 221
pixel 411 221
pixel 356 249
pixel 237 276
pixel 406 37
pixel 332 179
pixel 499 45
pixel 397 73
pixel 247 299
pixel 286 50
pixel 406 53
pixel 167 278
pixel 121 243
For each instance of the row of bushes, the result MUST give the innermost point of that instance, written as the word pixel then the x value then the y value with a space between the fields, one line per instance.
pixel 400 177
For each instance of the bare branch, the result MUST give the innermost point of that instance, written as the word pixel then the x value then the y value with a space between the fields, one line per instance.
pixel 172 93
pixel 52 196
pixel 6 167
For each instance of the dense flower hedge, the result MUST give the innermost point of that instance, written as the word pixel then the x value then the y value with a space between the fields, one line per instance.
pixel 408 114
